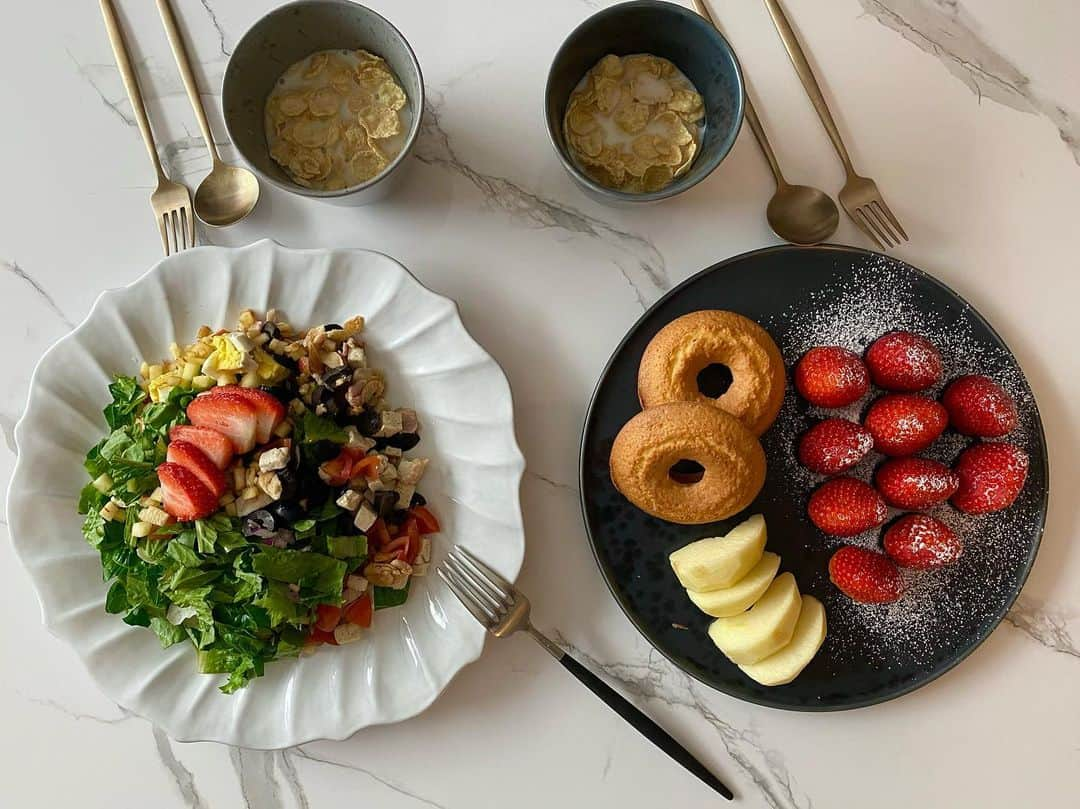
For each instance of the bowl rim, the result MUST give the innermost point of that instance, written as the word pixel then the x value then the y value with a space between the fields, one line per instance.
pixel 414 127
pixel 674 188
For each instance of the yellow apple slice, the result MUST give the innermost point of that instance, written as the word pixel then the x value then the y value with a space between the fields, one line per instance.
pixel 763 629
pixel 785 665
pixel 711 564
pixel 742 594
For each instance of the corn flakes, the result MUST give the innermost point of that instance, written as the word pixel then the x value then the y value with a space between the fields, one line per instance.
pixel 326 113
pixel 632 123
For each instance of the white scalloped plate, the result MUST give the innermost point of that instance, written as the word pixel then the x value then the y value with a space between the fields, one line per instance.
pixel 431 364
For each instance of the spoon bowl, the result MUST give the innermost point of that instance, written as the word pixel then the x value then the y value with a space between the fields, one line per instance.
pixel 797 213
pixel 226 195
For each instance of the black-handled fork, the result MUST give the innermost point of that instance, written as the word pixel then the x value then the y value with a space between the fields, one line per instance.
pixel 503 609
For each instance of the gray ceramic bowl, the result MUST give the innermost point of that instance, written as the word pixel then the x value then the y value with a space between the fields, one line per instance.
pixel 288 34
pixel 662 29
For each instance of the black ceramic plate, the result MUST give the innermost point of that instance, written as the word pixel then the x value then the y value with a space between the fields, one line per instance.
pixel 804 297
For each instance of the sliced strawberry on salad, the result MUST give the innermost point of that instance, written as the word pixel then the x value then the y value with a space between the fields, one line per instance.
pixel 229 413
pixel 268 410
pixel 216 446
pixel 199 464
pixel 185 497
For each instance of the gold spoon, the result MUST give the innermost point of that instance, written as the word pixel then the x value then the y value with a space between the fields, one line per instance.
pixel 228 193
pixel 799 214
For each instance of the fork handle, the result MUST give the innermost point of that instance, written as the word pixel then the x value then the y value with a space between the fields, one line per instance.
pixel 648 728
pixel 809 81
pixel 748 109
pixel 183 63
pixel 131 81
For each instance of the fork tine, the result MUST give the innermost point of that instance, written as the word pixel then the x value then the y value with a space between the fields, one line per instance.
pixel 465 596
pixel 190 231
pixel 175 233
pixel 864 224
pixel 892 219
pixel 497 581
pixel 181 222
pixel 482 591
pixel 883 224
pixel 164 234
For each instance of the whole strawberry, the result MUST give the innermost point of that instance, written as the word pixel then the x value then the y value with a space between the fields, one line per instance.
pixel 833 445
pixel 865 576
pixel 979 406
pixel 901 360
pixel 905 423
pixel 991 477
pixel 830 376
pixel 922 542
pixel 915 483
pixel 844 507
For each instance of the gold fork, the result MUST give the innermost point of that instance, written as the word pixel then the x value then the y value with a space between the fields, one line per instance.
pixel 859 196
pixel 502 609
pixel 170 201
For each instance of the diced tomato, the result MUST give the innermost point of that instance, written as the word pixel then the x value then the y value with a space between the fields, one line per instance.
pixel 395 545
pixel 368 467
pixel 327 616
pixel 337 471
pixel 359 612
pixel 349 463
pixel 425 519
pixel 318 636
pixel 378 534
pixel 412 547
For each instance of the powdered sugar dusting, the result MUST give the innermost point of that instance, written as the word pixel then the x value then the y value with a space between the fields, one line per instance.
pixel 940 608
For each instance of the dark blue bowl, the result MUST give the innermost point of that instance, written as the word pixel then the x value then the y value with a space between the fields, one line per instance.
pixel 662 29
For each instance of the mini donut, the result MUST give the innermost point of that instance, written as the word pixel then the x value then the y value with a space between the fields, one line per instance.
pixel 654 440
pixel 686 346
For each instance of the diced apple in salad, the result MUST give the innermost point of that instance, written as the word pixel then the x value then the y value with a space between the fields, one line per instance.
pixel 254 496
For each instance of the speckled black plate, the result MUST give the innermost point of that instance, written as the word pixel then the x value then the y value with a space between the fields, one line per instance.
pixel 872 653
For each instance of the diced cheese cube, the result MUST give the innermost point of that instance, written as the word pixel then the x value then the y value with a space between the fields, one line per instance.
pixel 273 459
pixel 410 470
pixel 405 495
pixel 350 500
pixel 365 518
pixel 391 423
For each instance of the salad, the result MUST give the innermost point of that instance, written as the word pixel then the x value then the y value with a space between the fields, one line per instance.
pixel 254 496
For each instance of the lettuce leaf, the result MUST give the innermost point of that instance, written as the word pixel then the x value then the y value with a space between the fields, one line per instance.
pixel 315 428
pixel 317 575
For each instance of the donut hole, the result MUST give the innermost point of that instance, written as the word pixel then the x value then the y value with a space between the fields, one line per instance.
pixel 686 472
pixel 714 379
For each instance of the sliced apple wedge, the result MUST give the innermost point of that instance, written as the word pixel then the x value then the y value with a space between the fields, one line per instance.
pixel 743 594
pixel 711 564
pixel 763 629
pixel 785 665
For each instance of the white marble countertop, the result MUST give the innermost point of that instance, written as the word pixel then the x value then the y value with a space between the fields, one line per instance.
pixel 967 113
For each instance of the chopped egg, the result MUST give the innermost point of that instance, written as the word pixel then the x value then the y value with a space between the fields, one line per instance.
pixel 228 355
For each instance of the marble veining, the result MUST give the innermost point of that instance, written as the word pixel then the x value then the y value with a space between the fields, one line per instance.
pixel 1045 624
pixel 644 268
pixel 212 15
pixel 185 780
pixel 301 753
pixel 554 484
pixel 656 679
pixel 40 291
pixel 946 29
